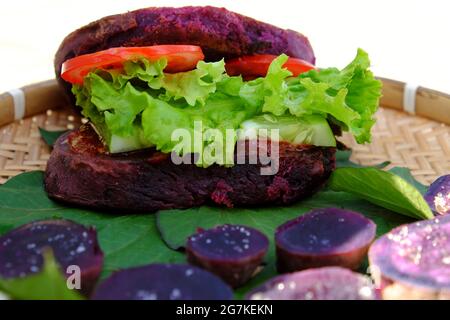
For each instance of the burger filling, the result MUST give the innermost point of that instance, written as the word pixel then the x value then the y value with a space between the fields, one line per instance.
pixel 138 99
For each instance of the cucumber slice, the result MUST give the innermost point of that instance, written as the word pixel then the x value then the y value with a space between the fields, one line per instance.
pixel 124 144
pixel 117 144
pixel 311 129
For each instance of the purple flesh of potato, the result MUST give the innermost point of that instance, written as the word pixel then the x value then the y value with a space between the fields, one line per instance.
pixel 163 282
pixel 324 237
pixel 413 261
pixel 328 283
pixel 71 243
pixel 438 195
pixel 232 252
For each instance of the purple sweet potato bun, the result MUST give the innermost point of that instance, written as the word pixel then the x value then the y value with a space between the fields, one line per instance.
pixel 71 243
pixel 163 282
pixel 328 283
pixel 324 237
pixel 233 252
pixel 438 195
pixel 220 33
pixel 413 260
pixel 147 180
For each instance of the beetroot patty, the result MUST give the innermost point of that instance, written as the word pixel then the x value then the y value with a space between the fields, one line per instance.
pixel 80 172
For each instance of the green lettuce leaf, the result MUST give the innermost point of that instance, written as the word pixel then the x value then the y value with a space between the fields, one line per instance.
pixel 348 97
pixel 141 106
pixel 196 85
pixel 363 94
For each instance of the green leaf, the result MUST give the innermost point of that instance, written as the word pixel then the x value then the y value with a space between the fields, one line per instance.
pixel 176 225
pixel 196 85
pixel 120 107
pixel 48 284
pixel 362 92
pixel 381 188
pixel 126 239
pixel 405 173
pixel 343 161
pixel 50 137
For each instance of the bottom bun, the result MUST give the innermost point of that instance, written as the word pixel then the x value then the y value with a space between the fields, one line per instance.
pixel 80 172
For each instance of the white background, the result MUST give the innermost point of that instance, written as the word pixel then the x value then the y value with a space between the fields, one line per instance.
pixel 407 40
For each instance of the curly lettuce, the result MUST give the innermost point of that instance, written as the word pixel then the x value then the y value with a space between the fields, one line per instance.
pixel 140 106
pixel 347 97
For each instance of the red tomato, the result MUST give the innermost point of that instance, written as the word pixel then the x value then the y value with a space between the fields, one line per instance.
pixel 257 66
pixel 179 58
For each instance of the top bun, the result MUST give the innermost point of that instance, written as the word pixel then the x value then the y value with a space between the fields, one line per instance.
pixel 220 33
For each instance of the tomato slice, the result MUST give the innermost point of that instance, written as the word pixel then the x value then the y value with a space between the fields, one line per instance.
pixel 179 58
pixel 257 66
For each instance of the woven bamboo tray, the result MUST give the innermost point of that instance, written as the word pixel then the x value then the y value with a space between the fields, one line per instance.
pixel 419 140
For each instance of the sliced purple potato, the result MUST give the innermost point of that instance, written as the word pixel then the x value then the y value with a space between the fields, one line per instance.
pixel 438 195
pixel 324 237
pixel 233 252
pixel 163 282
pixel 413 261
pixel 72 244
pixel 328 283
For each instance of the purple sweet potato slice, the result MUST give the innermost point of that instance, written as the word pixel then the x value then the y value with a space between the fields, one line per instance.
pixel 328 283
pixel 413 260
pixel 233 252
pixel 163 282
pixel 438 195
pixel 324 237
pixel 72 244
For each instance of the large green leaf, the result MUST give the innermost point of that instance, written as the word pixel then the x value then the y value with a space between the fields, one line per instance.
pixel 405 173
pixel 382 188
pixel 126 240
pixel 177 225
